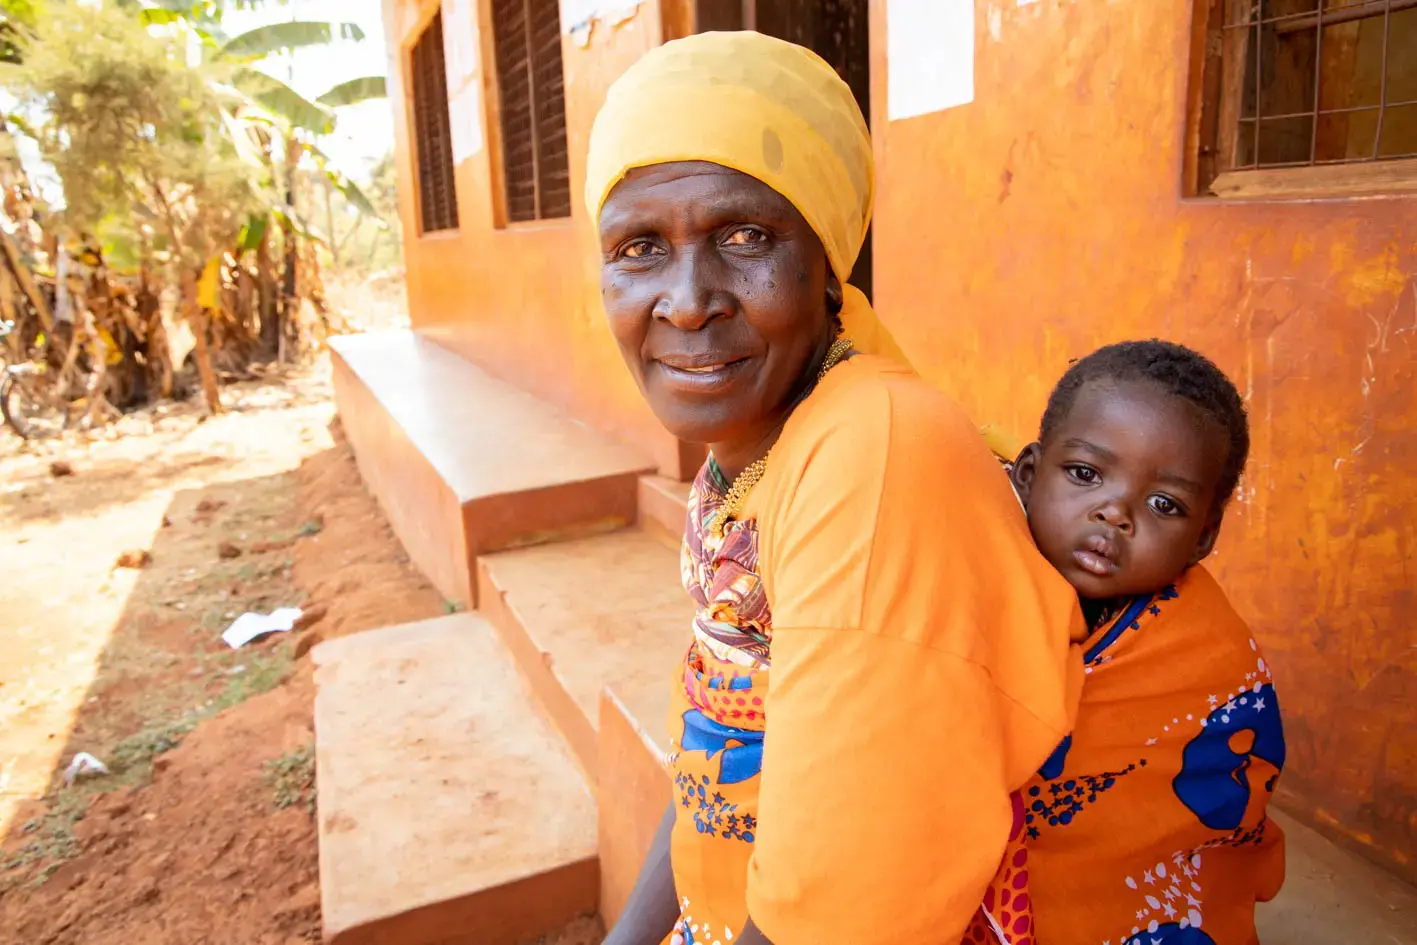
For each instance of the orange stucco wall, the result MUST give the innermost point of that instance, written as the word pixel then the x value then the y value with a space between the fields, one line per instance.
pixel 1026 229
pixel 1066 229
pixel 522 301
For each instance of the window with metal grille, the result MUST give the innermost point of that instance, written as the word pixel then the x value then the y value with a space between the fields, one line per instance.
pixel 535 177
pixel 437 194
pixel 1320 94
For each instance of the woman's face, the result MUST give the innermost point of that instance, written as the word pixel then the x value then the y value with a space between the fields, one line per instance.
pixel 717 293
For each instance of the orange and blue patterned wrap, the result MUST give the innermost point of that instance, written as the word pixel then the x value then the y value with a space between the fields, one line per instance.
pixel 717 720
pixel 1148 824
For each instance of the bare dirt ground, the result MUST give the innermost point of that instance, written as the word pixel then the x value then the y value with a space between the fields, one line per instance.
pixel 204 830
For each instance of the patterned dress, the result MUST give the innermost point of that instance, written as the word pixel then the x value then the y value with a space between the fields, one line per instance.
pixel 717 723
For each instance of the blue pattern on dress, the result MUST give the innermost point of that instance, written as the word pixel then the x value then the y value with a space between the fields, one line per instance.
pixel 740 762
pixel 1214 782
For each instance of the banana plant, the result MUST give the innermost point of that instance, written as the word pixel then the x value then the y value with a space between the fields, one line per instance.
pixel 240 53
pixel 264 115
pixel 270 124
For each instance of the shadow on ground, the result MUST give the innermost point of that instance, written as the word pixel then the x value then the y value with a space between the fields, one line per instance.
pixel 203 843
pixel 204 829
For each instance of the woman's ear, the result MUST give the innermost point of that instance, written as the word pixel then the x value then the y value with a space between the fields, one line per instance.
pixel 835 295
pixel 1024 470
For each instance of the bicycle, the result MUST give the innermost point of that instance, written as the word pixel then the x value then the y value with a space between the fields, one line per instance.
pixel 45 394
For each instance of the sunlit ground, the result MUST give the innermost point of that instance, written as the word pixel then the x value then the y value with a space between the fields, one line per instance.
pixel 61 596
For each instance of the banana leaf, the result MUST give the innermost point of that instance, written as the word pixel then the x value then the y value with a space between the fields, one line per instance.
pixel 275 96
pixel 286 216
pixel 252 233
pixel 280 37
pixel 351 192
pixel 355 91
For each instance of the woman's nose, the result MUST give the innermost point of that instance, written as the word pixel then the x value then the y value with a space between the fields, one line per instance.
pixel 693 296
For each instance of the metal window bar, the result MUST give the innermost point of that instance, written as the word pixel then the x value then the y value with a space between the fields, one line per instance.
pixel 1255 22
pixel 1382 86
pixel 1318 82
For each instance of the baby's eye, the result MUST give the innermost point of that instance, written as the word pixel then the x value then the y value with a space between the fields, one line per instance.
pixel 747 236
pixel 1083 473
pixel 1165 505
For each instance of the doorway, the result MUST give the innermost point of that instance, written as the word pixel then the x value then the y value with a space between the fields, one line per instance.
pixel 836 30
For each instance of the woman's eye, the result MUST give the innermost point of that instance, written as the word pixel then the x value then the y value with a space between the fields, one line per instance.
pixel 1165 505
pixel 638 249
pixel 1084 474
pixel 747 236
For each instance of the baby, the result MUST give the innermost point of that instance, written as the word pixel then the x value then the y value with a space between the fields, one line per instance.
pixel 1148 824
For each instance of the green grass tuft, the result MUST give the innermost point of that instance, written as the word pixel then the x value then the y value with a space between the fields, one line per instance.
pixel 291 778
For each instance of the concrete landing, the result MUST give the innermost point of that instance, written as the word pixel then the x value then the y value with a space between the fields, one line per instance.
pixel 583 615
pixel 464 463
pixel 1334 897
pixel 450 810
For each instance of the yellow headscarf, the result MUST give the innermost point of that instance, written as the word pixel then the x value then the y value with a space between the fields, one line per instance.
pixel 767 108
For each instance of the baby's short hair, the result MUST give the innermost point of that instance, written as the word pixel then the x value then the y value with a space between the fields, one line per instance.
pixel 1180 372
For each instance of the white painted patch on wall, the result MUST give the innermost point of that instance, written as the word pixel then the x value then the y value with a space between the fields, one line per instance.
pixel 460 52
pixel 1027 3
pixel 578 17
pixel 930 56
pixel 465 123
pixel 995 18
pixel 460 42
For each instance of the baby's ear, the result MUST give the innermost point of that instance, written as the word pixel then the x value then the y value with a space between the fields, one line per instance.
pixel 1205 544
pixel 1024 470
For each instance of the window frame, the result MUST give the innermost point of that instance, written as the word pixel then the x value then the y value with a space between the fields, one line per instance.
pixel 1209 112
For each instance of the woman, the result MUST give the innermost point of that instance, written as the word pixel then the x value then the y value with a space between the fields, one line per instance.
pixel 859 564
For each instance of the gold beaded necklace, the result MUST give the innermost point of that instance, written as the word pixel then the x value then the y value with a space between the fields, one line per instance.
pixel 748 478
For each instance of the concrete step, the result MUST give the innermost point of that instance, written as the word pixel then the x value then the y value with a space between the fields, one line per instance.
pixel 583 615
pixel 599 626
pixel 450 810
pixel 465 464
pixel 664 503
pixel 634 790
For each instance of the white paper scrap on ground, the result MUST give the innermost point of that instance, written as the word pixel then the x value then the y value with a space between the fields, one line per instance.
pixel 249 626
pixel 83 763
pixel 930 56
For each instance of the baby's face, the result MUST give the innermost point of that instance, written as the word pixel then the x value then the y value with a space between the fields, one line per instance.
pixel 1121 500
